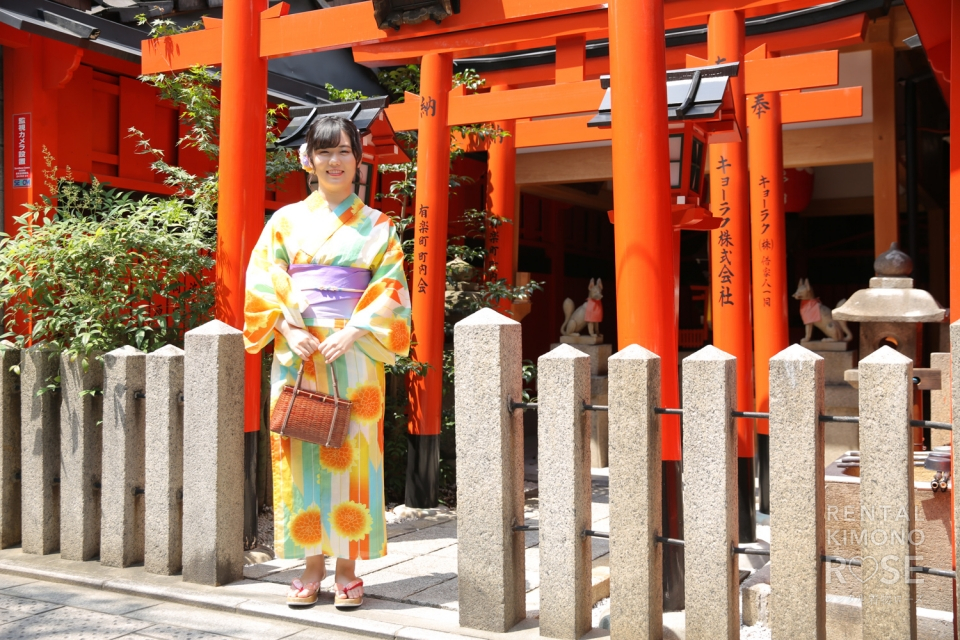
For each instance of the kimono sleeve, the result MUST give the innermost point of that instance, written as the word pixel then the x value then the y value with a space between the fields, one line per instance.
pixel 384 309
pixel 270 294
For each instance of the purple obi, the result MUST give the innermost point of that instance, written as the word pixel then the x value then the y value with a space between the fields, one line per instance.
pixel 331 292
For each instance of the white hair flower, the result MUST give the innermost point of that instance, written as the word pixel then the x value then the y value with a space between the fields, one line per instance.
pixel 305 159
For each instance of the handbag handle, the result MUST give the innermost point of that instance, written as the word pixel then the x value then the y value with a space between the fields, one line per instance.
pixel 296 391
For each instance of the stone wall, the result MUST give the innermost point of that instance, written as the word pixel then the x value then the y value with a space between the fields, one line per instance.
pixel 108 463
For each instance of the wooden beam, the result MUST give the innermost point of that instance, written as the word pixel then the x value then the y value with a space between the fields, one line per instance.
pixel 479 41
pixel 572 130
pixel 353 25
pixel 601 202
pixel 591 164
pixel 829 35
pixel 804 71
pixel 825 146
pixel 816 147
pixel 830 104
pixel 535 102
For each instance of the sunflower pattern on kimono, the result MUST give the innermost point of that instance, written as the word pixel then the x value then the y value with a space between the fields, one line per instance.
pixel 327 500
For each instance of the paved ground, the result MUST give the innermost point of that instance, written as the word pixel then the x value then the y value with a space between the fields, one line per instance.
pixel 32 609
pixel 421 566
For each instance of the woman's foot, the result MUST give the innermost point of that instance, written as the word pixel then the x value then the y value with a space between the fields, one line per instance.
pixel 302 594
pixel 349 594
pixel 303 591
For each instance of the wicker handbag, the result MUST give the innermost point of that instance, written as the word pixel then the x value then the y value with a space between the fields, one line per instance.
pixel 312 417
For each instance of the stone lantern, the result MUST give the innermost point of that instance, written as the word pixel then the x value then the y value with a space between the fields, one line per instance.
pixel 890 309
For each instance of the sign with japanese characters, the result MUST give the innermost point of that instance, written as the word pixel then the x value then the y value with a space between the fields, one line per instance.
pixel 21 150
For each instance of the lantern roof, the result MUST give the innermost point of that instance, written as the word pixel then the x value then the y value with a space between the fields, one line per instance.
pixel 697 93
pixel 891 296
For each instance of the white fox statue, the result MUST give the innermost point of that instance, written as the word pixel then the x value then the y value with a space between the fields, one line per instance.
pixel 816 314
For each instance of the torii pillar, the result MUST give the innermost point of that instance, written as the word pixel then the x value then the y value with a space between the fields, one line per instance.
pixel 643 233
pixel 240 212
pixel 501 200
pixel 428 281
pixel 769 239
pixel 730 255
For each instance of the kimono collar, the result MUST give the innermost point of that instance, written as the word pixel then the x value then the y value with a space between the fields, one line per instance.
pixel 344 213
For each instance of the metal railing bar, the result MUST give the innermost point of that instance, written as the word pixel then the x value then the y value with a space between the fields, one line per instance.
pixel 525 527
pixel 838 559
pixel 747 551
pixel 930 424
pixel 595 407
pixel 943 573
pixel 522 405
pixel 673 541
pixel 759 415
pixel 590 533
pixel 844 419
pixel 663 411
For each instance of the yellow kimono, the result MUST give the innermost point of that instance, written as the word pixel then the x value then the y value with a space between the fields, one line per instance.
pixel 330 501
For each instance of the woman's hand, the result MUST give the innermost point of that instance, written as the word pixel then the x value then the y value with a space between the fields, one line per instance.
pixel 338 343
pixel 302 342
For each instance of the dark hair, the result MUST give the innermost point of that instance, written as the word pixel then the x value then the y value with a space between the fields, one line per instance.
pixel 325 132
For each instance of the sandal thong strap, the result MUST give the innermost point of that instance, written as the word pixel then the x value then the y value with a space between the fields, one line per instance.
pixel 353 585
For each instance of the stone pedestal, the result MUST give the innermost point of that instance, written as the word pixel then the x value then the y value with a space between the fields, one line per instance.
pixel 840 399
pixel 599 355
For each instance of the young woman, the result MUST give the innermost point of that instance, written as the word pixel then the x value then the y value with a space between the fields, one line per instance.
pixel 326 284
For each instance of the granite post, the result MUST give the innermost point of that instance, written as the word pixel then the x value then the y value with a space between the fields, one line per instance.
pixel 563 435
pixel 955 438
pixel 9 447
pixel 940 399
pixel 490 555
pixel 81 412
pixel 121 539
pixel 636 558
pixel 163 534
pixel 40 450
pixel 710 494
pixel 797 534
pixel 213 455
pixel 886 495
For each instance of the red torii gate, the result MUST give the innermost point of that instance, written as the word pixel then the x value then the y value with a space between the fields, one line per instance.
pixel 638 65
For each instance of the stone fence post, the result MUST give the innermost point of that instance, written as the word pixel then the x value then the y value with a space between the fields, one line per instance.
pixel 121 541
pixel 955 438
pixel 797 534
pixel 213 455
pixel 886 495
pixel 940 399
pixel 490 555
pixel 636 558
pixel 710 495
pixel 163 535
pixel 81 412
pixel 10 522
pixel 563 438
pixel 40 451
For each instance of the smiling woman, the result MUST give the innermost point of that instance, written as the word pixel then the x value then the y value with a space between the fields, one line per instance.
pixel 326 283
